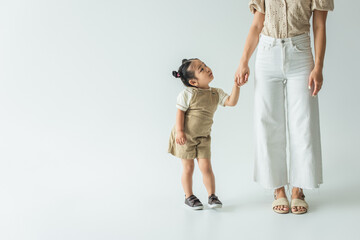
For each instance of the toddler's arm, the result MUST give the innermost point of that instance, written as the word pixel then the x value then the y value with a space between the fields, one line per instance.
pixel 234 97
pixel 180 135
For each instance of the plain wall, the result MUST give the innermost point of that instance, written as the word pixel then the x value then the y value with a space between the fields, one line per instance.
pixel 87 102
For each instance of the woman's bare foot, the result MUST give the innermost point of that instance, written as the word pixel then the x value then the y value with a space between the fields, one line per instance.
pixel 280 193
pixel 297 193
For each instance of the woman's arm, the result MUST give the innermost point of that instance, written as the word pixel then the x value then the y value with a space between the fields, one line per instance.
pixel 234 96
pixel 243 71
pixel 319 28
pixel 180 135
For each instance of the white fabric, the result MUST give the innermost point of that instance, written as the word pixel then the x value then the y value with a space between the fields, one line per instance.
pixel 184 98
pixel 222 96
pixel 284 102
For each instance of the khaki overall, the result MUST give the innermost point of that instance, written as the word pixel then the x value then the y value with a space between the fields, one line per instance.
pixel 197 126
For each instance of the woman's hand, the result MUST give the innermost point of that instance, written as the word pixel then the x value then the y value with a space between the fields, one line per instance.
pixel 180 138
pixel 242 74
pixel 315 81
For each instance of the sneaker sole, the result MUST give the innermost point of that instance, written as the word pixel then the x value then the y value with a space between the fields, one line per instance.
pixel 215 206
pixel 194 208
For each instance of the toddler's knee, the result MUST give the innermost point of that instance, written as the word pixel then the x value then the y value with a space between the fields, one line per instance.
pixel 206 169
pixel 188 168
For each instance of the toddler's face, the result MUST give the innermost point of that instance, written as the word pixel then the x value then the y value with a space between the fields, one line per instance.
pixel 202 72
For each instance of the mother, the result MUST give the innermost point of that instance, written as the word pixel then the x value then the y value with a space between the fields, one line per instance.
pixel 287 81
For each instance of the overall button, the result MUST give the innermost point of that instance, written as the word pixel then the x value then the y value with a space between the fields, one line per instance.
pixel 282 41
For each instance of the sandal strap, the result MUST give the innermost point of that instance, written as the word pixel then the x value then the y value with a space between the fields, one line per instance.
pixel 280 202
pixel 299 203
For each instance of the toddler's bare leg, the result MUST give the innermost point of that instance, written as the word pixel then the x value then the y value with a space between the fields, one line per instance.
pixel 208 175
pixel 186 177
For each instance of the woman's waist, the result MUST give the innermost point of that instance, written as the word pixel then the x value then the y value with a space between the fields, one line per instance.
pixel 272 41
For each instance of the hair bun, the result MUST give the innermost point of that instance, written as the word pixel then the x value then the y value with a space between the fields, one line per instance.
pixel 175 74
pixel 184 60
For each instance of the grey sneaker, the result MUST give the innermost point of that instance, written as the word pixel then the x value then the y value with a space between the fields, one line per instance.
pixel 193 202
pixel 214 201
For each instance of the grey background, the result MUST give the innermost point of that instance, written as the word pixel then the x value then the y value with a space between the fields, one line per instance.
pixel 87 102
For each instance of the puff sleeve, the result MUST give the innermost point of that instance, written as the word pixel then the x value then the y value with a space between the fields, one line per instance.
pixel 322 5
pixel 222 96
pixel 183 100
pixel 258 5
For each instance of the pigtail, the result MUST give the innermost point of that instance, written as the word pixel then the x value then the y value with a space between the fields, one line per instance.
pixel 175 74
pixel 183 73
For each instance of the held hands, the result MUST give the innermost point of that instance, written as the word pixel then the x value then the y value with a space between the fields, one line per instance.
pixel 315 81
pixel 180 137
pixel 242 74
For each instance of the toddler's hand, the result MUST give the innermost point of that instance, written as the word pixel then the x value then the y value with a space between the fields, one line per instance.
pixel 180 138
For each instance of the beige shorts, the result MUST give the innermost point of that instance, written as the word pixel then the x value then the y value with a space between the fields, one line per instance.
pixel 194 147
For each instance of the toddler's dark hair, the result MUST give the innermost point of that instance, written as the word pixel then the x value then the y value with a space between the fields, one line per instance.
pixel 183 72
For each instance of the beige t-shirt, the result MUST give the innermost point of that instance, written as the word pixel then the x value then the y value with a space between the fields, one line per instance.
pixel 288 18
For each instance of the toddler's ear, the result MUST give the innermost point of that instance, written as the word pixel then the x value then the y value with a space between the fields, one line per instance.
pixel 193 82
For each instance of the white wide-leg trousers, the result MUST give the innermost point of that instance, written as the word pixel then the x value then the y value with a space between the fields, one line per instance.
pixel 284 105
